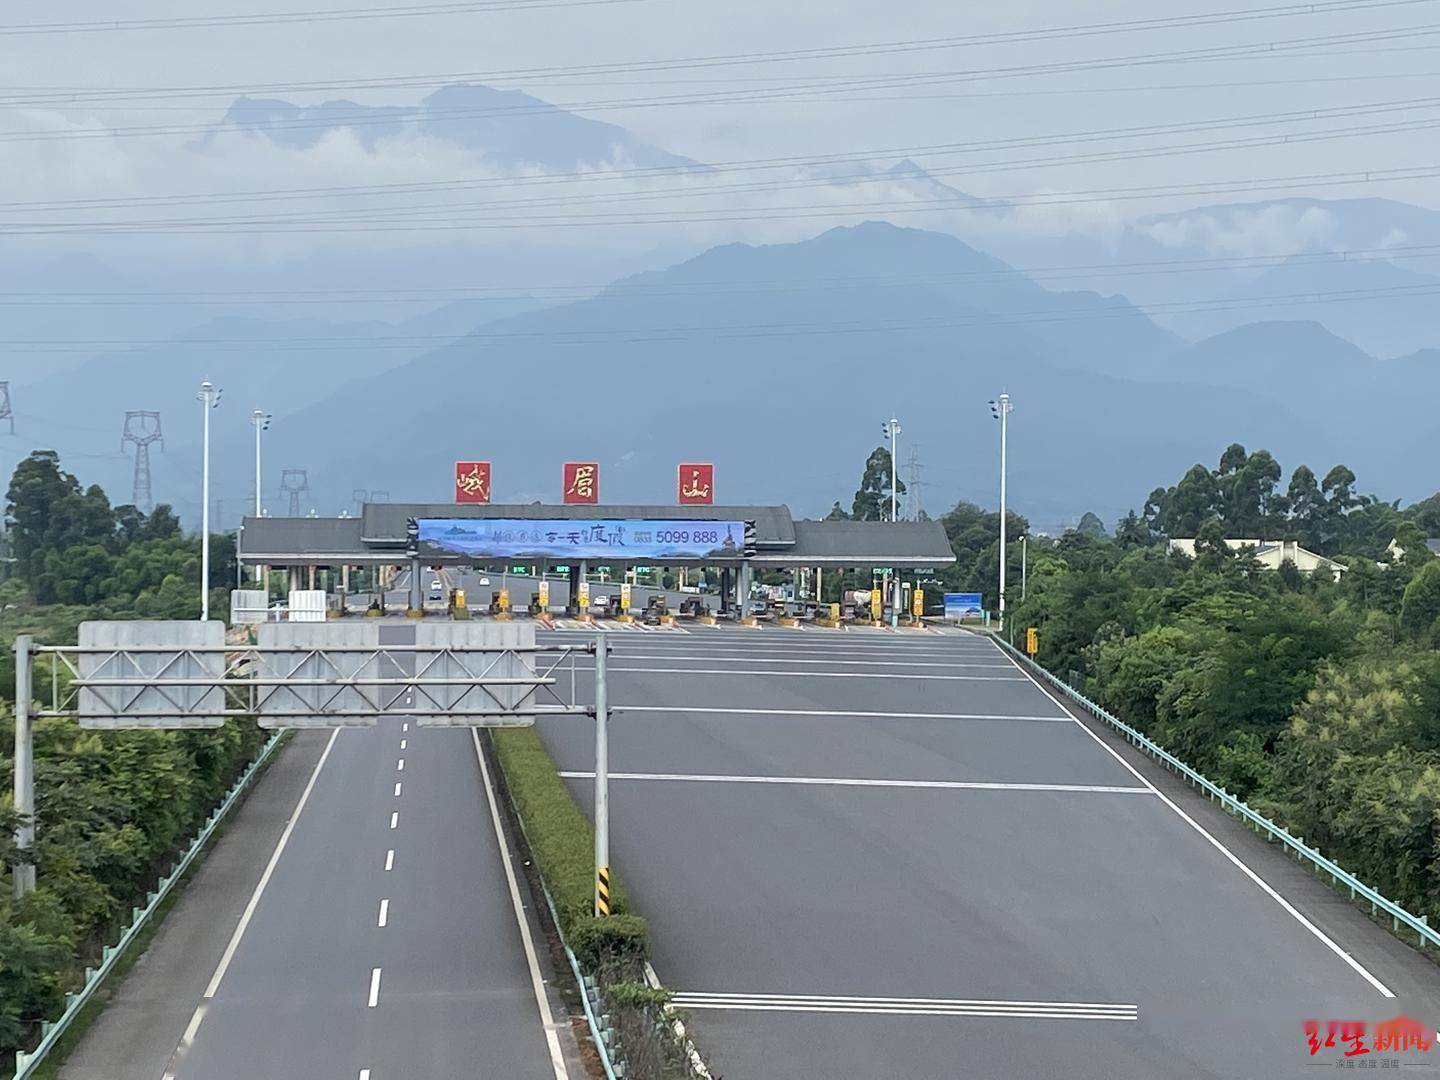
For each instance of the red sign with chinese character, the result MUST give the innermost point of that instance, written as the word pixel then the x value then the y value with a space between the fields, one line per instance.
pixel 472 481
pixel 696 485
pixel 582 482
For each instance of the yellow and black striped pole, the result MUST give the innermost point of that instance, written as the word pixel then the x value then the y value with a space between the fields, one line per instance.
pixel 602 891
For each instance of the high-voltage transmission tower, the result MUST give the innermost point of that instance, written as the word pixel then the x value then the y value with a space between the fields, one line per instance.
pixel 142 428
pixel 359 496
pixel 5 412
pixel 913 483
pixel 294 482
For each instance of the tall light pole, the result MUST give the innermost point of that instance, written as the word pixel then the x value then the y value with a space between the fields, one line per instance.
pixel 1001 409
pixel 209 397
pixel 260 420
pixel 891 428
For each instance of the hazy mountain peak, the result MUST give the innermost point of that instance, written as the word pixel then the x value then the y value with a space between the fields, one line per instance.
pixel 507 127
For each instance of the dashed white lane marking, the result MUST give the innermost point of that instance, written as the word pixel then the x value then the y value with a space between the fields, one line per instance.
pixel 397 789
pixel 403 743
pixel 845 781
pixel 537 982
pixel 364 1074
pixel 374 988
pixel 188 1039
pixel 405 726
pixel 400 765
pixel 821 1003
pixel 1234 859
pixel 395 819
pixel 721 710
pixel 384 913
pixel 390 859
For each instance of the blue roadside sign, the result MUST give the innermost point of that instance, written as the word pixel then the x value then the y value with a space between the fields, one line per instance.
pixel 964 605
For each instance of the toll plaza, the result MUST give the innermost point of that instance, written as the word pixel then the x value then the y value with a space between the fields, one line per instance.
pixel 583 560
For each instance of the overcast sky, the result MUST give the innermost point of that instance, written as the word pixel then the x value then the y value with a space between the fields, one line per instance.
pixel 482 44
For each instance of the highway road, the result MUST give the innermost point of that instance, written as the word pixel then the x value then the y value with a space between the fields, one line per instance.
pixel 877 854
pixel 383 939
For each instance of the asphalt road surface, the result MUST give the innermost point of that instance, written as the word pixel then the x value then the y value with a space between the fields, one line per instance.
pixel 384 941
pixel 891 854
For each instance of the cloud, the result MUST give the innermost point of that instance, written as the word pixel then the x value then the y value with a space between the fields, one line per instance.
pixel 1276 229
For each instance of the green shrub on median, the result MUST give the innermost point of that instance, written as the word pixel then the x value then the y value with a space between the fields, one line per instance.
pixel 562 841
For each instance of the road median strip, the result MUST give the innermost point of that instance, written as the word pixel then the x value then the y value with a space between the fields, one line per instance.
pixel 609 954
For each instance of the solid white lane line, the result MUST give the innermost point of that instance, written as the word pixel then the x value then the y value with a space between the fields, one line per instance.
pixel 848 999
pixel 374 988
pixel 1230 856
pixel 841 662
pixel 613 667
pixel 841 781
pixel 403 743
pixel 537 983
pixel 907 1010
pixel 189 1037
pixel 395 819
pixel 862 714
pixel 390 860
pixel 384 913
pixel 397 789
pixel 400 765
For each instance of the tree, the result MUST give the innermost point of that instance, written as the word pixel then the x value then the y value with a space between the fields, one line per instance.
pixel 872 500
pixel 1091 525
pixel 837 513
pixel 1307 508
pixel 36 488
pixel 1420 607
pixel 1190 503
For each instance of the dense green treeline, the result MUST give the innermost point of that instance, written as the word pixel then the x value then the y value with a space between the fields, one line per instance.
pixel 112 807
pixel 1316 699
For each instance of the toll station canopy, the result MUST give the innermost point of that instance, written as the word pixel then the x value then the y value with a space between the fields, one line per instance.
pixel 386 533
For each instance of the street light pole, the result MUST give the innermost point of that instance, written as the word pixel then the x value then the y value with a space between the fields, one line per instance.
pixel 1001 409
pixel 261 422
pixel 209 397
pixel 892 432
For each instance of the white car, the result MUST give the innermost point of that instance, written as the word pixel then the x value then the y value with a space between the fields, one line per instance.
pixel 484 581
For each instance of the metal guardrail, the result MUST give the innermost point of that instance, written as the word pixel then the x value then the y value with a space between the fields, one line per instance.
pixel 51 1031
pixel 1342 878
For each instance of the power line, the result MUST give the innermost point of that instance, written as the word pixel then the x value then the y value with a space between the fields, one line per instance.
pixel 730 215
pixel 710 287
pixel 854 158
pixel 828 327
pixel 1268 50
pixel 273 18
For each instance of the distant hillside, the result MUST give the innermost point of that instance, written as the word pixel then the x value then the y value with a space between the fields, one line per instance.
pixel 778 363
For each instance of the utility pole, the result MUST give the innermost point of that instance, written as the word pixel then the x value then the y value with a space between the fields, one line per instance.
pixel 142 428
pixel 294 482
pixel 24 871
pixel 1024 559
pixel 209 398
pixel 1001 409
pixel 602 782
